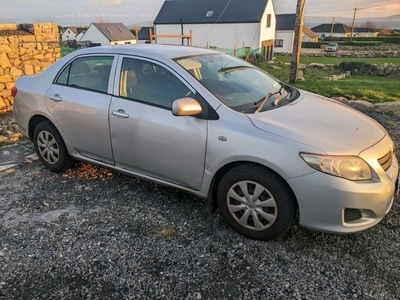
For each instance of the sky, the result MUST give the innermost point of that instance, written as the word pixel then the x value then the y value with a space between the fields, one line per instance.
pixel 140 12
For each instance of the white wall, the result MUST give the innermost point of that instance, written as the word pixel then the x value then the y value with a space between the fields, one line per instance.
pixel 123 42
pixel 68 35
pixel 328 34
pixel 95 36
pixel 227 36
pixel 267 33
pixel 79 36
pixel 287 36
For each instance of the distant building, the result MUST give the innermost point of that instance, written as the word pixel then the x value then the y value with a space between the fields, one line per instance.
pixel 144 35
pixel 285 29
pixel 230 25
pixel 72 33
pixel 335 29
pixel 108 34
pixel 365 32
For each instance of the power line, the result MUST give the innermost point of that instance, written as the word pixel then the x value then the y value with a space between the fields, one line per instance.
pixel 216 22
pixel 345 9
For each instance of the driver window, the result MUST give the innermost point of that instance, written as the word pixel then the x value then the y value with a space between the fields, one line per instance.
pixel 150 83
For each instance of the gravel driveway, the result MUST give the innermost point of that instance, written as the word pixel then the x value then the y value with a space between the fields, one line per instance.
pixel 92 234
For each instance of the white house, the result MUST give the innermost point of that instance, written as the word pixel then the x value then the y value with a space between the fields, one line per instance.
pixel 365 32
pixel 284 36
pixel 73 33
pixel 69 34
pixel 80 35
pixel 332 29
pixel 227 24
pixel 108 34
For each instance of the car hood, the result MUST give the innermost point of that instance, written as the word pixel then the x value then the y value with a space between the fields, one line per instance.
pixel 322 123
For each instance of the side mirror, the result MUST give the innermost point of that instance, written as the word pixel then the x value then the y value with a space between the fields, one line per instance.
pixel 186 107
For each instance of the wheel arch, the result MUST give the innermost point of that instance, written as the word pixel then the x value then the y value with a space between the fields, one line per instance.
pixel 213 205
pixel 33 122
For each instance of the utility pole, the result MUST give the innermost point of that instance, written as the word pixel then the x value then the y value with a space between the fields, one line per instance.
pixel 354 23
pixel 298 37
pixel 333 24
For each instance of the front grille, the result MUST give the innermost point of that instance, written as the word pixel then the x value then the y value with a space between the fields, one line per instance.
pixel 352 214
pixel 386 161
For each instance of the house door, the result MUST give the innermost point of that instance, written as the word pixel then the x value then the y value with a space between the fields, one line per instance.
pixel 268 49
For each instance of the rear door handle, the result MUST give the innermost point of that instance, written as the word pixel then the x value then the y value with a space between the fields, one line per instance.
pixel 56 98
pixel 120 113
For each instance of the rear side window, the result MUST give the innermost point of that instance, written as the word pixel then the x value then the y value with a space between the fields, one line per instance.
pixel 150 83
pixel 91 73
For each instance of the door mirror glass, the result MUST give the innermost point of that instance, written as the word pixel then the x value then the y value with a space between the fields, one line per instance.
pixel 186 107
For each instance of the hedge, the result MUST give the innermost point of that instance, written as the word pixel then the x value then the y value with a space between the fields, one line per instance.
pixel 385 39
pixel 342 43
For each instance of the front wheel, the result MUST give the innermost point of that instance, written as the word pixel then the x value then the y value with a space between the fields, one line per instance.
pixel 256 202
pixel 50 147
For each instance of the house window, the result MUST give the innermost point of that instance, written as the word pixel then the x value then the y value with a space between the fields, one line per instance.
pixel 127 42
pixel 268 20
pixel 322 35
pixel 278 43
pixel 209 14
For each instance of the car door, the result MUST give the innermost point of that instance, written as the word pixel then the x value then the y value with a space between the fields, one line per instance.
pixel 146 137
pixel 79 100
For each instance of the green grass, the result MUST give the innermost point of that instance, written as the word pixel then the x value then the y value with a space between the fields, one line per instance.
pixel 373 89
pixel 66 50
pixel 337 60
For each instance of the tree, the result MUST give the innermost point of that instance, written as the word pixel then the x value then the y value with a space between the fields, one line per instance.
pixel 369 24
pixel 102 19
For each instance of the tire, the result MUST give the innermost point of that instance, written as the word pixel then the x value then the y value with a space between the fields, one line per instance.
pixel 265 218
pixel 50 147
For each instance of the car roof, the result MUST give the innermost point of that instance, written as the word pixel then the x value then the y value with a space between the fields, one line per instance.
pixel 148 50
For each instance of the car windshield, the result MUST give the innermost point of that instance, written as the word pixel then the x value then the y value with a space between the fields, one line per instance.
pixel 236 83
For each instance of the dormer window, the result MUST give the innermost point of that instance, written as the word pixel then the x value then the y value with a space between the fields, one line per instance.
pixel 209 14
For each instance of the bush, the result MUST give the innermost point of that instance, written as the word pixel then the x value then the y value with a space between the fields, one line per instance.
pixel 255 59
pixel 342 43
pixel 383 39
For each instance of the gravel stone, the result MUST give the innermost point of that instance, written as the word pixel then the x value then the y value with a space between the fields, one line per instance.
pixel 89 233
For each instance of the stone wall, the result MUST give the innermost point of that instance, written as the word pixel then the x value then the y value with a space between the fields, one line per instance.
pixel 388 51
pixel 25 49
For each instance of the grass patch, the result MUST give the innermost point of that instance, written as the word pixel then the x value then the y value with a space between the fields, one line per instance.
pixel 372 89
pixel 65 51
pixel 337 60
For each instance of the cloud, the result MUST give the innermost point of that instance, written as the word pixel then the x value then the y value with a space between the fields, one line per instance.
pixel 105 2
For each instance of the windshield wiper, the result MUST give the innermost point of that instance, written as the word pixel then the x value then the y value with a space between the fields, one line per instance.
pixel 264 100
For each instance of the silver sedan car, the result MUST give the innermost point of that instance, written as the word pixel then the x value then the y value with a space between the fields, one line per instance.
pixel 215 126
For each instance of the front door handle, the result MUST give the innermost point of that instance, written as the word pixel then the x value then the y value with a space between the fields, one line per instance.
pixel 56 98
pixel 120 113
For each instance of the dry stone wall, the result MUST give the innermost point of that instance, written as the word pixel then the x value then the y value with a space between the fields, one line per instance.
pixel 25 49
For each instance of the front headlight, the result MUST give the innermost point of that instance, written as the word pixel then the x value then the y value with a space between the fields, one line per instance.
pixel 349 167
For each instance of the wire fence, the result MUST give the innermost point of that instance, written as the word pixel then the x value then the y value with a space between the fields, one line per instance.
pixel 244 51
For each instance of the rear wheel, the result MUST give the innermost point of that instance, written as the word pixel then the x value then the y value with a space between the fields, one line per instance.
pixel 50 147
pixel 256 202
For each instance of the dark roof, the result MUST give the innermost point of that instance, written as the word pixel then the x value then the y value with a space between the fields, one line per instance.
pixel 337 28
pixel 195 11
pixel 144 34
pixel 114 31
pixel 286 22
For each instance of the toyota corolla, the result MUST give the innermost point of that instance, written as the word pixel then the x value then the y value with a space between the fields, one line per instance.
pixel 215 126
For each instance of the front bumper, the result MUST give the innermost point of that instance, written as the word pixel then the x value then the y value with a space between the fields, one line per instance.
pixel 337 205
